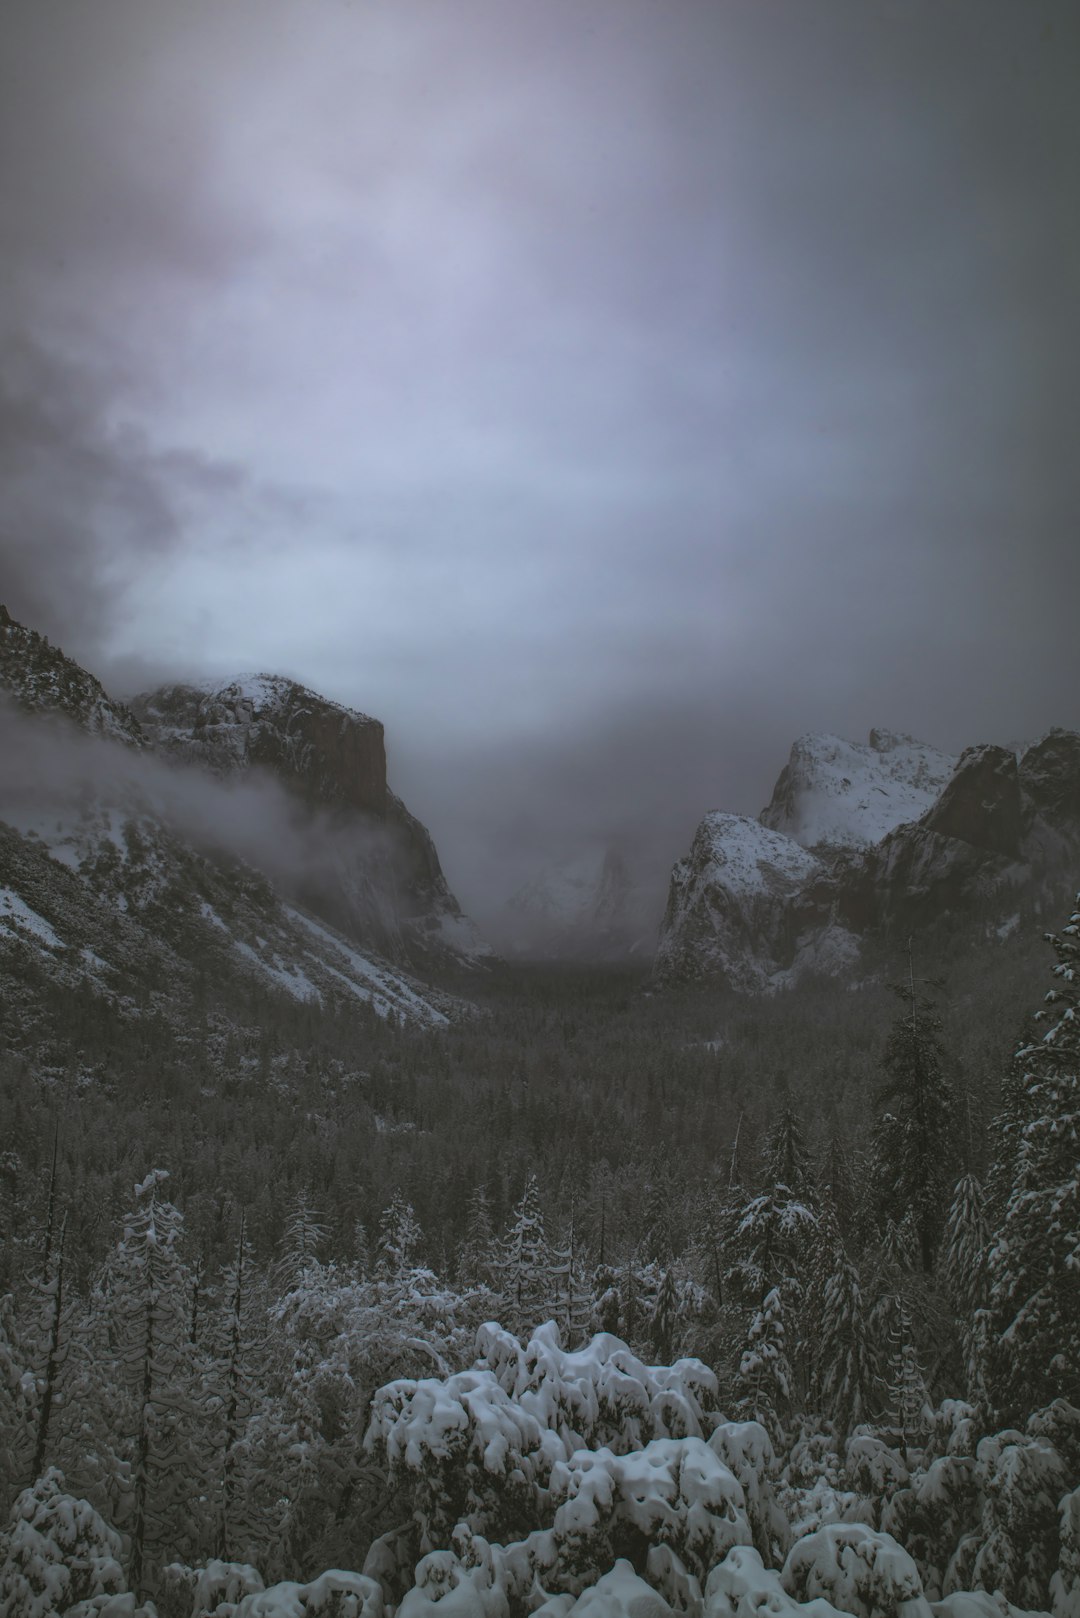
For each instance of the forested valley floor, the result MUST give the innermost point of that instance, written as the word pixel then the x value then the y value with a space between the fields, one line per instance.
pixel 602 1299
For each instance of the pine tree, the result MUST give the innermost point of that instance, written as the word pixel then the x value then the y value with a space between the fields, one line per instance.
pixel 785 1156
pixel 913 1148
pixel 303 1237
pixel 908 1396
pixel 572 1293
pixel 764 1369
pixel 844 1361
pixel 399 1238
pixel 665 1318
pixel 525 1264
pixel 476 1253
pixel 1034 1263
pixel 148 1307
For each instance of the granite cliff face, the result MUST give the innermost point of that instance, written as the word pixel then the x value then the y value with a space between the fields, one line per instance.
pixel 378 877
pixel 867 841
pixel 351 855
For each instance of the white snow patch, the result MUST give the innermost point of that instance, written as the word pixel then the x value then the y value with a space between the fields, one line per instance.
pixel 371 982
pixel 15 912
pixel 290 978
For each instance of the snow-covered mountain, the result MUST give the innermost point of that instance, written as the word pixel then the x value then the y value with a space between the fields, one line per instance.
pixel 378 876
pixel 838 794
pixel 589 907
pixel 863 841
pixel 128 877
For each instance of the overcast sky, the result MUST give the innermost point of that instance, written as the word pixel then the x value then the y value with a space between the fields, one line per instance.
pixel 600 392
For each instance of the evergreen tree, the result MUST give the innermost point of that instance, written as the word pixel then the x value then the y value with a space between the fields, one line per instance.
pixel 764 1369
pixel 785 1156
pixel 303 1237
pixel 665 1319
pixel 399 1238
pixel 913 1151
pixel 525 1264
pixel 1034 1263
pixel 845 1367
pixel 148 1311
pixel 572 1294
pixel 476 1253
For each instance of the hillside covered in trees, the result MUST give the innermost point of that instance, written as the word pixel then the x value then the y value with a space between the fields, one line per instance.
pixel 588 1302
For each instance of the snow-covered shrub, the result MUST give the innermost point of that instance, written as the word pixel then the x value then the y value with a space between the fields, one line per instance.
pixel 742 1587
pixel 55 1553
pixel 479 1447
pixel 213 1591
pixel 1065 1584
pixel 674 1492
pixel 333 1594
pixel 746 1449
pixel 933 1514
pixel 468 1452
pixel 600 1395
pixel 1015 1550
pixel 859 1571
pixel 874 1469
pixel 620 1593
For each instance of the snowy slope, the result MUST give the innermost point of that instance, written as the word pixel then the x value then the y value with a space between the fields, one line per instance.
pixel 838 794
pixel 379 877
pixel 112 899
pixel 731 915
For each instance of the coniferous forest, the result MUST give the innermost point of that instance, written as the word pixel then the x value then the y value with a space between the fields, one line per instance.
pixel 579 1293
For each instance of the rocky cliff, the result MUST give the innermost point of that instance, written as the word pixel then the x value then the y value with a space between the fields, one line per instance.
pixel 378 875
pixel 349 852
pixel 863 842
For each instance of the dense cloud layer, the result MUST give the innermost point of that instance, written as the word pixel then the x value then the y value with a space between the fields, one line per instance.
pixel 600 395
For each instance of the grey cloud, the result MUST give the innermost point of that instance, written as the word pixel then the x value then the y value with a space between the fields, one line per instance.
pixel 600 395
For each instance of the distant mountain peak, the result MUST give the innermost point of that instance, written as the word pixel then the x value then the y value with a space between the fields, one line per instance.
pixel 834 793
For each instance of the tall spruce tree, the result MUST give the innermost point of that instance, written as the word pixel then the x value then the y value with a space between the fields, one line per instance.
pixel 1034 1264
pixel 149 1299
pixel 913 1142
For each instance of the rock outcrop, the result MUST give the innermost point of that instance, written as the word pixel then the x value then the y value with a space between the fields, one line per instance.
pixel 861 842
pixel 354 857
pixel 378 876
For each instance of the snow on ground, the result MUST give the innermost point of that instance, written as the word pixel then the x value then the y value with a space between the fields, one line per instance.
pixel 384 989
pixel 17 915
pixel 839 794
pixel 289 978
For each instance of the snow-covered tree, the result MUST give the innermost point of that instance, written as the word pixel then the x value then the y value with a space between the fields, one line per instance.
pixel 525 1263
pixel 785 1155
pixel 477 1252
pixel 1034 1263
pixel 153 1359
pixel 913 1142
pixel 399 1237
pixel 301 1242
pixel 843 1357
pixel 765 1380
pixel 55 1553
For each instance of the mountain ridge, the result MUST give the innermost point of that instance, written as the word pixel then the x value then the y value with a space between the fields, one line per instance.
pixel 755 907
